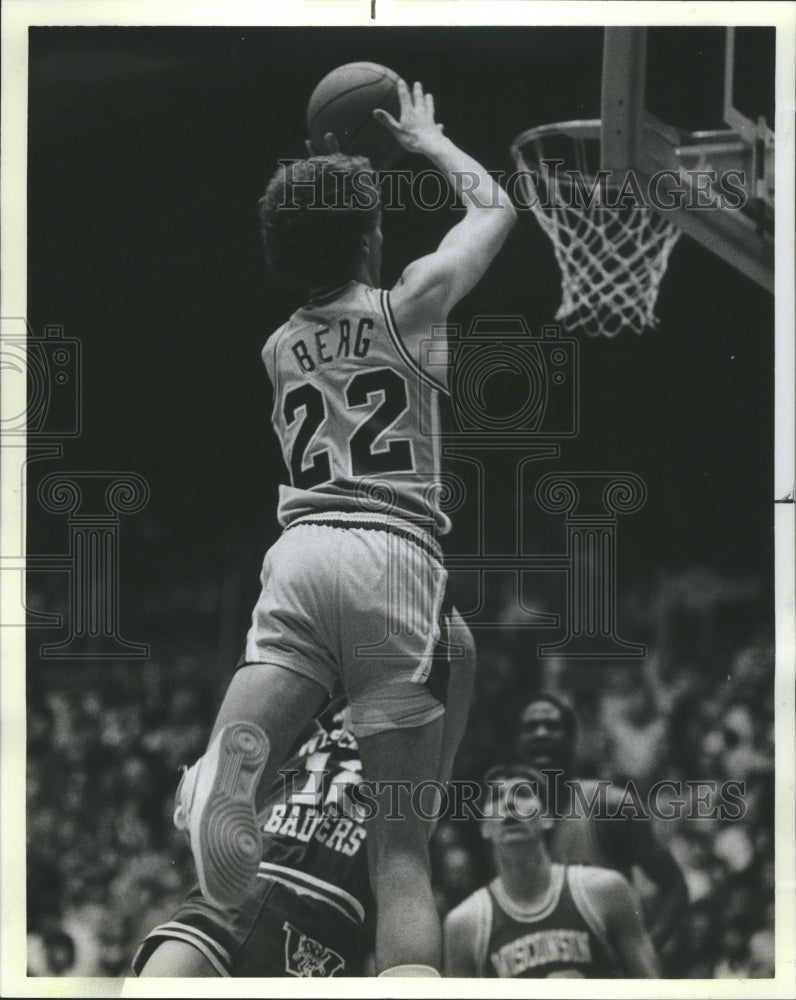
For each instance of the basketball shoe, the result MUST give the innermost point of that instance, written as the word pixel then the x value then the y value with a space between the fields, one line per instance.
pixel 215 807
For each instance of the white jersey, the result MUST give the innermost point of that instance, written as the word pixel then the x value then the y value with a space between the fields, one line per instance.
pixel 356 416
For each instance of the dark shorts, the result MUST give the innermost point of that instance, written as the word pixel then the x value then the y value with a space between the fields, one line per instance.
pixel 275 932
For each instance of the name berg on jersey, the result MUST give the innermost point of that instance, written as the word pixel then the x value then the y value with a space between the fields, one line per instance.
pixel 328 344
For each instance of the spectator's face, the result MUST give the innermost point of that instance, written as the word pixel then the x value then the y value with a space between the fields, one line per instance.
pixel 39 726
pixel 699 931
pixel 34 780
pixel 59 958
pixel 542 740
pixel 640 707
pixel 184 705
pixel 113 956
pixel 768 875
pixel 733 944
pixel 134 773
pixel 458 875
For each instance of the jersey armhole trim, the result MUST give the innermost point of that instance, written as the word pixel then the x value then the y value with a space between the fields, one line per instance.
pixel 395 336
pixel 577 887
pixel 483 931
pixel 275 382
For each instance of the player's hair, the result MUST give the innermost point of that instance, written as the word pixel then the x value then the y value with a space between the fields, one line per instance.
pixel 313 215
pixel 503 773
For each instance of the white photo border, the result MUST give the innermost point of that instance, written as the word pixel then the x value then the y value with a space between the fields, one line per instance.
pixel 17 17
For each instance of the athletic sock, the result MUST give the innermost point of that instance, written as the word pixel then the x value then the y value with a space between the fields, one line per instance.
pixel 410 970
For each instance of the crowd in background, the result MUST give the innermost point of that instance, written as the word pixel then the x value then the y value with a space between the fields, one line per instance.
pixel 105 864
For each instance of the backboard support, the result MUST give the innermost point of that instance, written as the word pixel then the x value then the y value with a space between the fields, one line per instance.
pixel 688 168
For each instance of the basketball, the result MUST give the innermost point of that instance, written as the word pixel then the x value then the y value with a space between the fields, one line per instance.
pixel 343 103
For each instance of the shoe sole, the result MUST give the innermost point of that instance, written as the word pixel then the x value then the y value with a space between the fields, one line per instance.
pixel 225 837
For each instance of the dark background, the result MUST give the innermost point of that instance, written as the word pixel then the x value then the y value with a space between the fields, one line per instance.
pixel 148 151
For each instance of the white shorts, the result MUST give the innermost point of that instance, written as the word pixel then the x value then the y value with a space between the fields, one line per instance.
pixel 357 601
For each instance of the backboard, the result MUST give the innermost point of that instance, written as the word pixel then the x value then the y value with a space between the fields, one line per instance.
pixel 690 111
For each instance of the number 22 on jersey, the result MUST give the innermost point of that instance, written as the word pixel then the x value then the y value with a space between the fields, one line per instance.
pixel 366 450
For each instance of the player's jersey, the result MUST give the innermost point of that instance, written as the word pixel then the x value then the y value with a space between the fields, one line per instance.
pixel 561 937
pixel 313 834
pixel 356 416
pixel 573 840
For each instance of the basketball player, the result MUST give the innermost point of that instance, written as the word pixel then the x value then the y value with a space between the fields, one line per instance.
pixel 306 914
pixel 310 911
pixel 546 741
pixel 354 590
pixel 538 918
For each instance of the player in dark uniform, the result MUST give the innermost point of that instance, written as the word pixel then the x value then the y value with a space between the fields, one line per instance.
pixel 354 591
pixel 311 910
pixel 546 741
pixel 539 918
pixel 307 914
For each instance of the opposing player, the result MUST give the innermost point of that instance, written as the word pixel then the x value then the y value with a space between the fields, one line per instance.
pixel 354 591
pixel 306 913
pixel 310 911
pixel 546 741
pixel 538 918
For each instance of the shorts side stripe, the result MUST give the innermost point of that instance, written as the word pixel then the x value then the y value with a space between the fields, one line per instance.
pixel 331 894
pixel 424 667
pixel 215 954
pixel 302 890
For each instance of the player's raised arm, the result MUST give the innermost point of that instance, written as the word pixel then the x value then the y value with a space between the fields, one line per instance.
pixel 435 283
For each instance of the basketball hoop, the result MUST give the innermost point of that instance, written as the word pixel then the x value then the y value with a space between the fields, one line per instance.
pixel 612 252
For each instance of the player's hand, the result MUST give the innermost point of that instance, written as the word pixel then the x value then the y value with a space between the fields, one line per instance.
pixel 332 146
pixel 417 131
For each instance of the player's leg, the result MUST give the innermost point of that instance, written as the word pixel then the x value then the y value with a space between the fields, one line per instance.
pixel 197 940
pixel 408 928
pixel 394 672
pixel 264 708
pixel 277 700
pixel 287 674
pixel 461 681
pixel 177 958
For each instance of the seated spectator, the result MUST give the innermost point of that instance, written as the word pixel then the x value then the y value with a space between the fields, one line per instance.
pixel 51 953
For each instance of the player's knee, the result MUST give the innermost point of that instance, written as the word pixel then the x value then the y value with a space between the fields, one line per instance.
pixel 406 705
pixel 404 855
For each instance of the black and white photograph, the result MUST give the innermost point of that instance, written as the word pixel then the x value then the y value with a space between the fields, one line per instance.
pixel 397 439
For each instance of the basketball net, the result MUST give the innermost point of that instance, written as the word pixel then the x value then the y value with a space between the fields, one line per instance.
pixel 612 257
